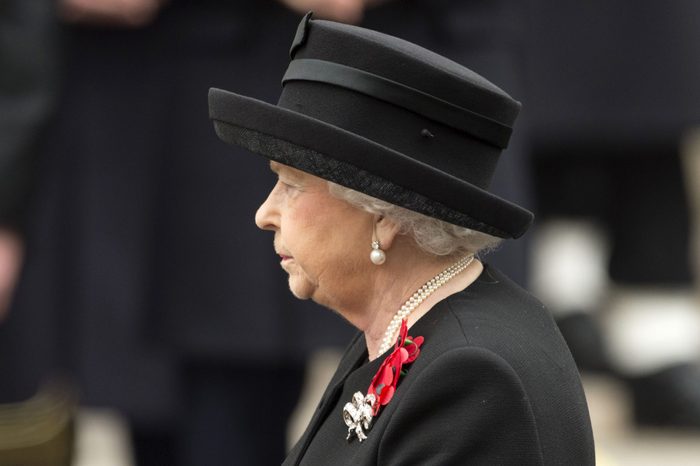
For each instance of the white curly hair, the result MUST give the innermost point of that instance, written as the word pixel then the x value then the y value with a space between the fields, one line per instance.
pixel 430 234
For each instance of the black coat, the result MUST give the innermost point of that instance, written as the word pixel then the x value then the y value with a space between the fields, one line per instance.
pixel 494 384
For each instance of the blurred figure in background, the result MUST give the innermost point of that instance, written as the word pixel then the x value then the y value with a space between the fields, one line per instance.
pixel 27 86
pixel 34 430
pixel 614 87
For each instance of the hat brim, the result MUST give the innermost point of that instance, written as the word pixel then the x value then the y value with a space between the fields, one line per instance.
pixel 358 163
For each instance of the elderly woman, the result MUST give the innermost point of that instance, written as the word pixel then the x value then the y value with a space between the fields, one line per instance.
pixel 383 153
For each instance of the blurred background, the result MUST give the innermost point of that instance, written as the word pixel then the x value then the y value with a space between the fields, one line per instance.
pixel 144 319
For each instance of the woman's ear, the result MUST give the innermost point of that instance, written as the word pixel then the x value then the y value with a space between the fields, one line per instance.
pixel 386 231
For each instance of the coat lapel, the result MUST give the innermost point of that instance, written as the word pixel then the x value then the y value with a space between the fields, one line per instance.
pixel 353 357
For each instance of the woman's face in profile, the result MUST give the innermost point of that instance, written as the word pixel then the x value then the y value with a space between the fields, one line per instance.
pixel 323 242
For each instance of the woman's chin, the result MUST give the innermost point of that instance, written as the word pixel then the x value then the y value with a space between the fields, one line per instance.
pixel 300 288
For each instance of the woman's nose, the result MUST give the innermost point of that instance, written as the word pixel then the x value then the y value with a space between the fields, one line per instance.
pixel 267 217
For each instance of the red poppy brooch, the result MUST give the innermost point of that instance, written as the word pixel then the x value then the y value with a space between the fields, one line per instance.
pixel 358 413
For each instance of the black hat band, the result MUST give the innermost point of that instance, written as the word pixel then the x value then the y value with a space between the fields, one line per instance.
pixel 432 107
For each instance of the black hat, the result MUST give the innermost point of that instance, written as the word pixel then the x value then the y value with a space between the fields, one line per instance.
pixel 387 118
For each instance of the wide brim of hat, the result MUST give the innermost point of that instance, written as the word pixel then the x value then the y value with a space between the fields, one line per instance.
pixel 345 158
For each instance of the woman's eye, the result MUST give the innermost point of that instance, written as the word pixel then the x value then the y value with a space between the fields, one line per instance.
pixel 287 186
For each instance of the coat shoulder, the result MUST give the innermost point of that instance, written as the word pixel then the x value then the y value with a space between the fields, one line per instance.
pixel 470 401
pixel 496 338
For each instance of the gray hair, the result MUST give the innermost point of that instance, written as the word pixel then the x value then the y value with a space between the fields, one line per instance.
pixel 430 234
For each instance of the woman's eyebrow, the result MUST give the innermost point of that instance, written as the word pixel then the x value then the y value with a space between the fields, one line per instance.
pixel 290 174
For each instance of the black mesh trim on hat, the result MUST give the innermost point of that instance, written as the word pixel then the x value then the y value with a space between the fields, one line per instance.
pixel 347 175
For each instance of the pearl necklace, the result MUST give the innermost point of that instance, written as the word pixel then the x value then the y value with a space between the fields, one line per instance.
pixel 419 296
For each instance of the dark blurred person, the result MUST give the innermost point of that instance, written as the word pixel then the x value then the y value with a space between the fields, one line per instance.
pixel 615 85
pixel 36 416
pixel 28 77
pixel 27 61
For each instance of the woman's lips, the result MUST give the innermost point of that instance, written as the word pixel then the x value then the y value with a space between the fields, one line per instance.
pixel 284 258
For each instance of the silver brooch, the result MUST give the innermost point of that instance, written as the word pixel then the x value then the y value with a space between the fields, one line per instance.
pixel 358 415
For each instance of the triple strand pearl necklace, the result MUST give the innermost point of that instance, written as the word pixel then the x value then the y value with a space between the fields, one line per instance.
pixel 419 296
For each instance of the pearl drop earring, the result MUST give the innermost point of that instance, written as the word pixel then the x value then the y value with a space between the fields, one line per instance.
pixel 377 256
